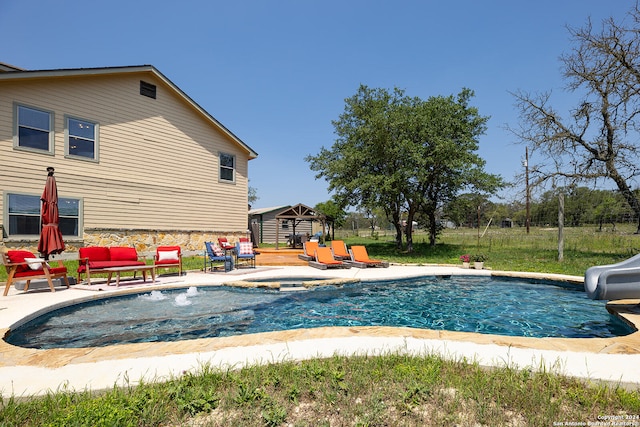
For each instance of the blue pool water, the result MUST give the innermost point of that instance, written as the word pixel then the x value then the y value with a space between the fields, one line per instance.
pixel 472 304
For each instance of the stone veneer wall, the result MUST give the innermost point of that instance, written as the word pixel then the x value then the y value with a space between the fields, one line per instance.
pixel 145 241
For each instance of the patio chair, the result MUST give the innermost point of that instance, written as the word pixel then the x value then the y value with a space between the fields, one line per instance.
pixel 224 243
pixel 168 257
pixel 215 254
pixel 309 249
pixel 339 250
pixel 25 266
pixel 324 259
pixel 360 258
pixel 245 252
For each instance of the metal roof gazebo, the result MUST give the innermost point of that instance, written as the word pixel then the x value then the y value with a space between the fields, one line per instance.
pixel 297 214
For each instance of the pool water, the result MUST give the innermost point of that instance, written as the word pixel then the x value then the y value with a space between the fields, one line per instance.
pixel 471 304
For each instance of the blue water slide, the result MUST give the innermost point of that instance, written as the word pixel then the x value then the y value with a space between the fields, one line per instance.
pixel 614 281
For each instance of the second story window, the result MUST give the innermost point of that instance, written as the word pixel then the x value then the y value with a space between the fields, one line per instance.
pixel 82 139
pixel 34 129
pixel 227 167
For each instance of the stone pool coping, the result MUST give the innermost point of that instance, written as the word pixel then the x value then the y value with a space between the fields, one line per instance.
pixel 25 372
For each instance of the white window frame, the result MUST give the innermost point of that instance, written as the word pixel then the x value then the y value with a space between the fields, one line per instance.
pixel 95 140
pixel 17 127
pixel 7 215
pixel 226 168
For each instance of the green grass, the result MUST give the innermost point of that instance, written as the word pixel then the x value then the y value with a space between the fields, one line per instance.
pixel 387 390
pixel 511 249
pixel 391 389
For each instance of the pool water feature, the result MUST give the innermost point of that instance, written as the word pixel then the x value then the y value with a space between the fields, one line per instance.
pixel 531 308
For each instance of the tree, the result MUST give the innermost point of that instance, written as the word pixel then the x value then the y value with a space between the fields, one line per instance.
pixel 335 214
pixel 597 140
pixel 404 155
pixel 252 195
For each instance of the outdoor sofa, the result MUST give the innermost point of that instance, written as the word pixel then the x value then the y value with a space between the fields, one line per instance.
pixel 97 259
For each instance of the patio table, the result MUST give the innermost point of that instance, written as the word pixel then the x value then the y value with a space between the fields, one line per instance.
pixel 134 268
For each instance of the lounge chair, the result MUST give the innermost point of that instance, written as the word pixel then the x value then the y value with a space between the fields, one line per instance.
pixel 168 257
pixel 324 259
pixel 309 249
pixel 215 254
pixel 339 250
pixel 25 266
pixel 244 252
pixel 360 258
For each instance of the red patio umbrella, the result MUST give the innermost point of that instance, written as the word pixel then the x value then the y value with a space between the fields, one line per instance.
pixel 50 236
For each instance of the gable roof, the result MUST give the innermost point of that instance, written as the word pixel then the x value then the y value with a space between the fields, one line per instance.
pixel 262 211
pixel 301 211
pixel 14 73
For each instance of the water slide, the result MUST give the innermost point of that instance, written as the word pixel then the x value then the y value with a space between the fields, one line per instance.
pixel 614 281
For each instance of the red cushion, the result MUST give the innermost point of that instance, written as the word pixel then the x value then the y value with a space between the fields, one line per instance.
pixel 123 253
pixel 94 253
pixel 52 271
pixel 168 261
pixel 167 248
pixel 16 257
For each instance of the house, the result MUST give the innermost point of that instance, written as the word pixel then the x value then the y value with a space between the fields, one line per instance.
pixel 137 161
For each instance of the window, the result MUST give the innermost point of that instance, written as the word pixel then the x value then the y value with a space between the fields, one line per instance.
pixel 24 215
pixel 33 129
pixel 227 167
pixel 82 139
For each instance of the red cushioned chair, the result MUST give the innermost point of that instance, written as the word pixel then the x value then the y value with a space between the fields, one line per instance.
pixel 168 257
pixel 224 243
pixel 25 266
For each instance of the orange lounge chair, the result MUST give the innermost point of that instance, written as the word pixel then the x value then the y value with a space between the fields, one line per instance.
pixel 360 258
pixel 309 249
pixel 325 259
pixel 339 250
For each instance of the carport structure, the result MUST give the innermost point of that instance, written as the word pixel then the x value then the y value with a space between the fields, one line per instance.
pixel 297 214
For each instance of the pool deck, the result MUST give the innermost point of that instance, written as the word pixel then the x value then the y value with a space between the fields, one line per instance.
pixel 25 372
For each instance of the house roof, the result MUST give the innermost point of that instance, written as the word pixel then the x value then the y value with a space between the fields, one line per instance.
pixel 263 211
pixel 9 72
pixel 301 211
pixel 4 67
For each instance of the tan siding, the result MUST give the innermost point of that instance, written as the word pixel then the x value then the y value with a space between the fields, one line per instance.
pixel 158 163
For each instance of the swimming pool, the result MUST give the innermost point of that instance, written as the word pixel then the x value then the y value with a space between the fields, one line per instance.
pixel 501 306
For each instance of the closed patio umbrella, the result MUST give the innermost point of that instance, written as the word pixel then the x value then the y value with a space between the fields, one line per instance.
pixel 50 236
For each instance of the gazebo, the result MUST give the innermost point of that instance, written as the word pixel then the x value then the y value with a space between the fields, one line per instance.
pixel 296 214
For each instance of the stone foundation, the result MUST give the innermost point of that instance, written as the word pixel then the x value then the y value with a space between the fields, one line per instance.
pixel 145 241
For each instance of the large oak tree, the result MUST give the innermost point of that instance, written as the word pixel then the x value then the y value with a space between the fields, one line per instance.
pixel 405 155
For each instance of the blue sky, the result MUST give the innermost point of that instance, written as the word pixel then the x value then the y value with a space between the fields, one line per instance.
pixel 276 73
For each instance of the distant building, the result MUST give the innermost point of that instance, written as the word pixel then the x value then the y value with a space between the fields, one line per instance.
pixel 264 221
pixel 506 223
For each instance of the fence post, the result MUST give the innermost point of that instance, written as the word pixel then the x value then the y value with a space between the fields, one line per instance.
pixel 560 227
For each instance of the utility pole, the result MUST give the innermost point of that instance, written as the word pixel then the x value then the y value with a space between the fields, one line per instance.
pixel 527 191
